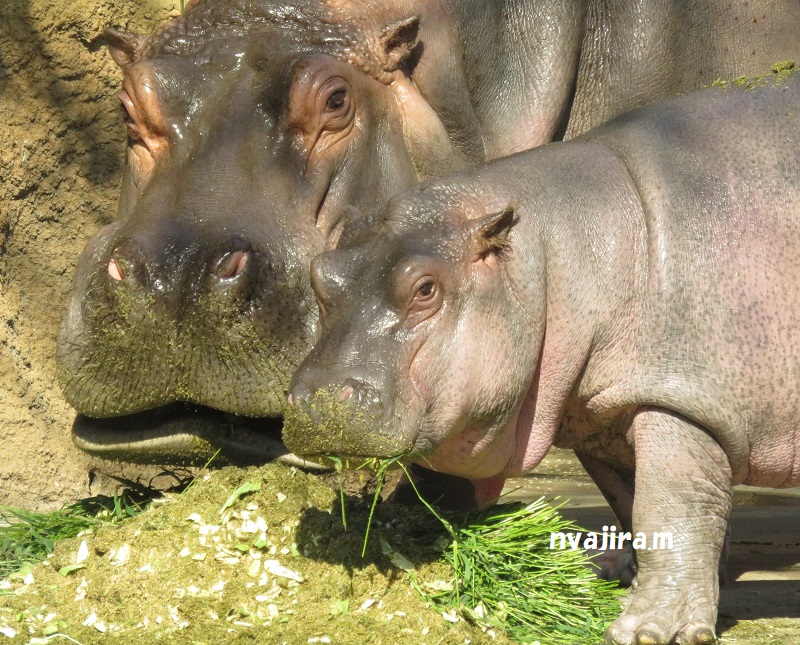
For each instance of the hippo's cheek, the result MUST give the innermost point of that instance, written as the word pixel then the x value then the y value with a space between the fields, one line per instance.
pixel 418 379
pixel 475 452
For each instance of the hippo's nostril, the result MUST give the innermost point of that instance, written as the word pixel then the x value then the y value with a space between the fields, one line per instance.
pixel 300 394
pixel 127 265
pixel 115 271
pixel 346 393
pixel 232 264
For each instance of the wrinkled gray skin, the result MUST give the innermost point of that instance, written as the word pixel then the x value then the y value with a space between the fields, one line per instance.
pixel 252 125
pixel 633 295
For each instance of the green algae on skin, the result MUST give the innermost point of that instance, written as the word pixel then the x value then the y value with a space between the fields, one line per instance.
pixel 779 72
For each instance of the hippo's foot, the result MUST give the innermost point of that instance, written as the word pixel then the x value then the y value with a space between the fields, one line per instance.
pixel 674 596
pixel 620 564
pixel 659 615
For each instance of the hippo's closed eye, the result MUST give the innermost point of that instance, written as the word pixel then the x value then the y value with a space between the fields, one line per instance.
pixel 147 131
pixel 128 112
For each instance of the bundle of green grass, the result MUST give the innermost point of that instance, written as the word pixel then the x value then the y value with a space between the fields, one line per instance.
pixel 261 555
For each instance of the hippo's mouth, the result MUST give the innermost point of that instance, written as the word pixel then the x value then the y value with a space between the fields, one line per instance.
pixel 185 434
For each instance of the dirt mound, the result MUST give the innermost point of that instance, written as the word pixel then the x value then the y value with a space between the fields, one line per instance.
pixel 273 564
pixel 61 146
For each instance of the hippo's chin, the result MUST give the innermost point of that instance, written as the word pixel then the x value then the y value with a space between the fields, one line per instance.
pixel 183 434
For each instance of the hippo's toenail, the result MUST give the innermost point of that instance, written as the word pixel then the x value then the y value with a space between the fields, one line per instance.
pixel 646 638
pixel 705 637
pixel 290 398
pixel 346 393
pixel 114 271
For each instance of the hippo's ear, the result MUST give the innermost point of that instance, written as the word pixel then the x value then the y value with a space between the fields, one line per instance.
pixel 488 235
pixel 124 48
pixel 399 40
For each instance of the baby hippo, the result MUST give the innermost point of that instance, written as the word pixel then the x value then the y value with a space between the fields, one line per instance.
pixel 633 295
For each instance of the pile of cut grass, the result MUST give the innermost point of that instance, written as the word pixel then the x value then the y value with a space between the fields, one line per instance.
pixel 507 577
pixel 485 578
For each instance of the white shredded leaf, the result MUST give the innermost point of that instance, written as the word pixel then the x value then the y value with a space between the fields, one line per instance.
pixel 120 556
pixel 83 552
pixel 277 569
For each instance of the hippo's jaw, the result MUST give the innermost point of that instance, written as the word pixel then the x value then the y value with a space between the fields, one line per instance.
pixel 185 435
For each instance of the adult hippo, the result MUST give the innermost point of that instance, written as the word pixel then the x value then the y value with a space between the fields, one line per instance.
pixel 633 294
pixel 252 123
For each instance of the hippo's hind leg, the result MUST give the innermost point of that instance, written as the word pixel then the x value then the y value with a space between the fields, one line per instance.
pixel 617 486
pixel 681 507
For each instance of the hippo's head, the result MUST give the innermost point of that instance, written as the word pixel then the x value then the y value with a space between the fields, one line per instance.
pixel 250 126
pixel 417 332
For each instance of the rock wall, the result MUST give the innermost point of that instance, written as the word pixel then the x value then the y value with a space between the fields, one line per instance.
pixel 61 148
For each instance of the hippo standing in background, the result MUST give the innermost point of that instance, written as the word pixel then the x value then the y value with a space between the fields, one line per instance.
pixel 633 295
pixel 252 123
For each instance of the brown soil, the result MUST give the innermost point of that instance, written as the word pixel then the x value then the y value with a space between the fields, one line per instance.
pixel 61 146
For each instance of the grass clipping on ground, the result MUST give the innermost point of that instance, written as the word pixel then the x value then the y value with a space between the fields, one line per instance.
pixel 260 555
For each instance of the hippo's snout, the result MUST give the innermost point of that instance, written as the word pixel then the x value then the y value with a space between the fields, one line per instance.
pixel 167 311
pixel 346 419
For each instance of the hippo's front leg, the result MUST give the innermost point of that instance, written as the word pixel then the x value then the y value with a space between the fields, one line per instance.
pixel 683 487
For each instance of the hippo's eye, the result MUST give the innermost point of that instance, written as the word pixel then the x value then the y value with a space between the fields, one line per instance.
pixel 425 301
pixel 336 101
pixel 425 289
